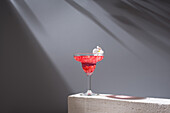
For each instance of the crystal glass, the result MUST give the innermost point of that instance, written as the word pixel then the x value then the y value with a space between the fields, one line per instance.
pixel 88 62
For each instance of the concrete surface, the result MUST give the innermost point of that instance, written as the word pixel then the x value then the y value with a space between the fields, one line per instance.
pixel 102 104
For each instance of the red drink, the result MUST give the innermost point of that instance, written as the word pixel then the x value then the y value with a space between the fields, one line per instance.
pixel 88 62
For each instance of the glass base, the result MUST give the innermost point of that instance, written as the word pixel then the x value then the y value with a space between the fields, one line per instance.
pixel 89 93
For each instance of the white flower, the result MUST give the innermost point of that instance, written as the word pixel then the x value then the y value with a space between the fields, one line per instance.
pixel 98 51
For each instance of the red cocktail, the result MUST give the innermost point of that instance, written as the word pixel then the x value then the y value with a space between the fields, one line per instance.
pixel 88 61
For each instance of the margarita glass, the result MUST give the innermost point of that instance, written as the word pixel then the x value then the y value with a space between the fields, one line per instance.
pixel 88 61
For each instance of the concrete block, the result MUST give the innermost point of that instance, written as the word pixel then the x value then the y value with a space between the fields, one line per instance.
pixel 103 104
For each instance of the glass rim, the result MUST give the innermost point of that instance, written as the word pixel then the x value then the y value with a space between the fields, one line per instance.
pixel 87 54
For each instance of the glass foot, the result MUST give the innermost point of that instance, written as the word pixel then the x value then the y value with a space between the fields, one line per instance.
pixel 88 93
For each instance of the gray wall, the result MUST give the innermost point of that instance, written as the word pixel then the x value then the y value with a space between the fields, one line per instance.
pixel 39 37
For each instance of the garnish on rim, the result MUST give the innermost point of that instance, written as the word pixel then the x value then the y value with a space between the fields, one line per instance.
pixel 98 51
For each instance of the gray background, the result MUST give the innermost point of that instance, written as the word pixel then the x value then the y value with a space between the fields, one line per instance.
pixel 38 39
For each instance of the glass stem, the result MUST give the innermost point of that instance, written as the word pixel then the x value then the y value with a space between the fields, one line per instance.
pixel 89 82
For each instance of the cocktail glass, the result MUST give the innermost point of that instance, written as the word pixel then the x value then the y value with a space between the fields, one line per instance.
pixel 88 61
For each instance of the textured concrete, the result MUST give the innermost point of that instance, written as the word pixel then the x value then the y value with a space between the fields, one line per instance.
pixel 101 104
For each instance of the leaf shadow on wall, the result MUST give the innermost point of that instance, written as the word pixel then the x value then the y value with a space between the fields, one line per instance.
pixel 146 21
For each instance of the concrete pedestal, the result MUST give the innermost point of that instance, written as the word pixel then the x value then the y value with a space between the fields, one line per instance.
pixel 102 104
